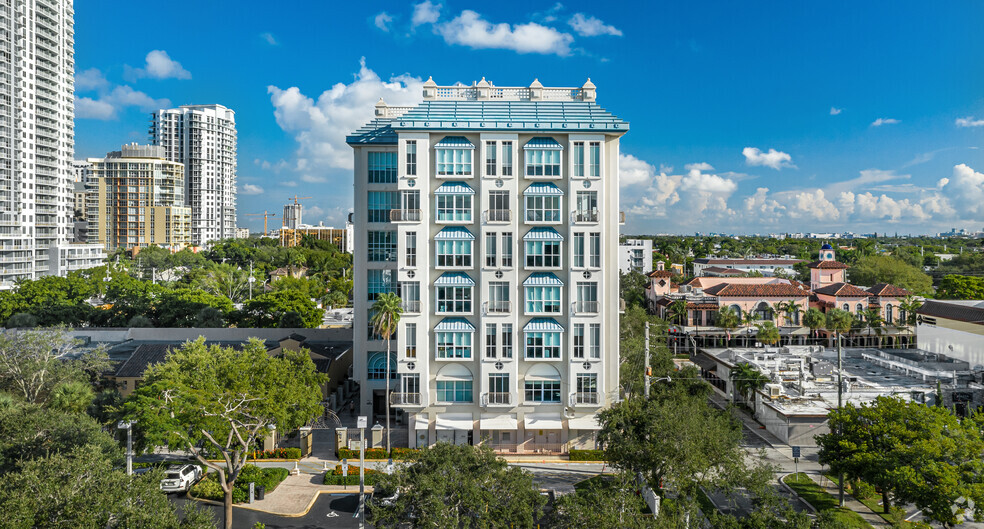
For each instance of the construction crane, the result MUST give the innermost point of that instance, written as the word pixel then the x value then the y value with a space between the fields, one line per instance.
pixel 265 216
pixel 293 214
pixel 297 198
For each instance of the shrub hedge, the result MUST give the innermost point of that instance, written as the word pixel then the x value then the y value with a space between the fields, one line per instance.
pixel 277 453
pixel 587 455
pixel 210 489
pixel 335 477
pixel 377 453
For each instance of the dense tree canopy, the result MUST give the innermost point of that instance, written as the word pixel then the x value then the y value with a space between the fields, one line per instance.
pixel 961 287
pixel 267 310
pixel 886 269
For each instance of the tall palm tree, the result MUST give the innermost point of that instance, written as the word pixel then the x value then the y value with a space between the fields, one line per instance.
pixel 385 319
pixel 746 379
pixel 728 320
pixel 678 312
pixel 793 310
pixel 815 320
pixel 748 319
pixel 779 310
pixel 768 333
pixel 839 321
pixel 875 322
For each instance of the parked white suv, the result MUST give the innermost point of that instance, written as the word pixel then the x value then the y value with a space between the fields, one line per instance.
pixel 180 478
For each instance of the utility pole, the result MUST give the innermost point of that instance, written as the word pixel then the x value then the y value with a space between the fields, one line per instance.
pixel 128 425
pixel 363 421
pixel 251 280
pixel 840 405
pixel 648 371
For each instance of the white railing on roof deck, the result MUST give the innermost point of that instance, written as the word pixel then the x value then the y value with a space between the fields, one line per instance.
pixel 395 112
pixel 508 93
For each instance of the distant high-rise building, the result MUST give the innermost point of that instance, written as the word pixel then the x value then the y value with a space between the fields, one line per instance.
pixel 203 138
pixel 37 138
pixel 292 215
pixel 81 170
pixel 135 198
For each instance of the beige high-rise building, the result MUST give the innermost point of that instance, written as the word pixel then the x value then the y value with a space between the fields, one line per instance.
pixel 135 198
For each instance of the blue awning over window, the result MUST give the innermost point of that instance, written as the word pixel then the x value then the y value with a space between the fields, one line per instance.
pixel 454 233
pixel 543 188
pixel 454 325
pixel 454 142
pixel 454 188
pixel 543 325
pixel 542 279
pixel 543 234
pixel 454 279
pixel 544 142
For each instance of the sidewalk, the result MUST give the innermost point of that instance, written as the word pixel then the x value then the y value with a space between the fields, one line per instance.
pixel 869 516
pixel 296 494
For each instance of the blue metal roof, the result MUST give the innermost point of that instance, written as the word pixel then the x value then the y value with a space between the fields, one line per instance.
pixel 454 279
pixel 542 234
pixel 543 325
pixel 454 233
pixel 454 188
pixel 376 132
pixel 543 188
pixel 543 279
pixel 454 325
pixel 456 142
pixel 544 142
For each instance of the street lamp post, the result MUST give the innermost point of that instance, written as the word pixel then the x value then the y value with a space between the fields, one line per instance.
pixel 363 421
pixel 128 426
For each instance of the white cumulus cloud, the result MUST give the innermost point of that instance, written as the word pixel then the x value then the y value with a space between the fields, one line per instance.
pixel 159 66
pixel 589 26
pixel 969 121
pixel 425 13
pixel 470 29
pixel 250 189
pixel 91 79
pixel 109 104
pixel 383 21
pixel 269 38
pixel 774 159
pixel 701 166
pixel 965 190
pixel 884 121
pixel 834 111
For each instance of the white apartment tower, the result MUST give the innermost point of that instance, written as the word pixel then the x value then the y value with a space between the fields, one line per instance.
pixel 203 138
pixel 494 213
pixel 37 141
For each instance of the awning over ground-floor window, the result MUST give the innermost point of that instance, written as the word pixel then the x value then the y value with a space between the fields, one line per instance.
pixel 588 422
pixel 421 421
pixel 455 421
pixel 543 421
pixel 499 422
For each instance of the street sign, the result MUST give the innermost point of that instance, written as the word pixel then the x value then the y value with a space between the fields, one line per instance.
pixel 345 467
pixel 796 451
pixel 363 421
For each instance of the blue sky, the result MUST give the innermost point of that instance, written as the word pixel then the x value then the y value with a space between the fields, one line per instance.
pixel 745 116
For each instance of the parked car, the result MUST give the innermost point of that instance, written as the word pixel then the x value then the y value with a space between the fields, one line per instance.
pixel 180 478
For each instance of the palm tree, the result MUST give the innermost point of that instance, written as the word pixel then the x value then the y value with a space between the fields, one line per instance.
pixel 779 309
pixel 793 310
pixel 748 319
pixel 678 311
pixel 728 320
pixel 385 319
pixel 909 305
pixel 839 321
pixel 815 320
pixel 875 322
pixel 768 333
pixel 746 380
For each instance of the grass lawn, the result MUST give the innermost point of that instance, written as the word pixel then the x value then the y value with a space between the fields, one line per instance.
pixel 819 498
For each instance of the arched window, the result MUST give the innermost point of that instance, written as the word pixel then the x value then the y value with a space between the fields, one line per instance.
pixel 888 313
pixel 860 308
pixel 763 311
pixel 542 384
pixel 847 307
pixel 736 309
pixel 454 384
pixel 376 366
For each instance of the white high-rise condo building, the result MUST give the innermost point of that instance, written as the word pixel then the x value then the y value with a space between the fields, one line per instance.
pixel 37 139
pixel 494 213
pixel 203 138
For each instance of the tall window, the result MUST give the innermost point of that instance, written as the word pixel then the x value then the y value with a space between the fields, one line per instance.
pixel 490 339
pixel 376 366
pixel 507 340
pixel 540 208
pixel 587 388
pixel 382 246
pixel 411 157
pixel 499 206
pixel 454 344
pixel 411 251
pixel 380 281
pixel 454 299
pixel 587 296
pixel 490 158
pixel 409 292
pixel 889 316
pixel 577 153
pixel 410 334
pixel 594 250
pixel 594 159
pixel 594 332
pixel 578 261
pixel 498 388
pixel 381 203
pixel 578 339
pixel 507 250
pixel 586 206
pixel 410 385
pixel 490 253
pixel 409 206
pixel 498 297
pixel 454 390
pixel 454 162
pixel 382 167
pixel 542 162
pixel 542 391
pixel 454 208
pixel 507 158
pixel 543 254
pixel 454 253
pixel 542 300
pixel 542 345
pixel 858 309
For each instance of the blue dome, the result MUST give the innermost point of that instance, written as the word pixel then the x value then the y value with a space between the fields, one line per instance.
pixel 826 247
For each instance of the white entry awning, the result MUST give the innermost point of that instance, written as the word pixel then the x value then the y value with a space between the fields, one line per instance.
pixel 421 421
pixel 588 422
pixel 455 421
pixel 543 421
pixel 499 422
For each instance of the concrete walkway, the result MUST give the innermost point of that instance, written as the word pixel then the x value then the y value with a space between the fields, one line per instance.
pixel 296 494
pixel 850 502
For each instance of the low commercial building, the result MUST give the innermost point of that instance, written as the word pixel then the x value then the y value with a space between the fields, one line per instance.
pixel 954 328
pixel 67 257
pixel 339 237
pixel 764 266
pixel 635 255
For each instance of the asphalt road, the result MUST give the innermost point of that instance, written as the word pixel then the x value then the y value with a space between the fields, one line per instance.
pixel 333 511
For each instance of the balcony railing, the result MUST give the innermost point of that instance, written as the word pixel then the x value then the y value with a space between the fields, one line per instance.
pixel 498 307
pixel 404 215
pixel 585 397
pixel 585 216
pixel 498 215
pixel 411 307
pixel 494 398
pixel 585 307
pixel 405 399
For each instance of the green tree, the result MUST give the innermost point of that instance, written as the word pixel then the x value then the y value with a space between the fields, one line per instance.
pixel 29 431
pixel 914 453
pixel 632 348
pixel 459 486
pixel 960 287
pixel 747 320
pixel 746 381
pixel 886 269
pixel 909 306
pixel 678 312
pixel 73 396
pixel 140 321
pixel 266 310
pixel 21 320
pixel 874 321
pixel 227 280
pixel 815 320
pixel 767 333
pixel 180 307
pixel 84 490
pixel 633 288
pixel 729 320
pixel 34 362
pixel 222 400
pixel 209 318
pixel 384 316
pixel 607 501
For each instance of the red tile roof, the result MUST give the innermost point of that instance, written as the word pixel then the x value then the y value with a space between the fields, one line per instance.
pixel 722 270
pixel 888 290
pixel 661 273
pixel 731 262
pixel 827 265
pixel 843 290
pixel 732 290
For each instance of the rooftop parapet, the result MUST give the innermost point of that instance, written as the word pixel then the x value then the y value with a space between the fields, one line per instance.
pixel 486 91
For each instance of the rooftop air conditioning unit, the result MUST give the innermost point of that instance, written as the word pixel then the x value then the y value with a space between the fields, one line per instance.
pixel 685 288
pixel 774 390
